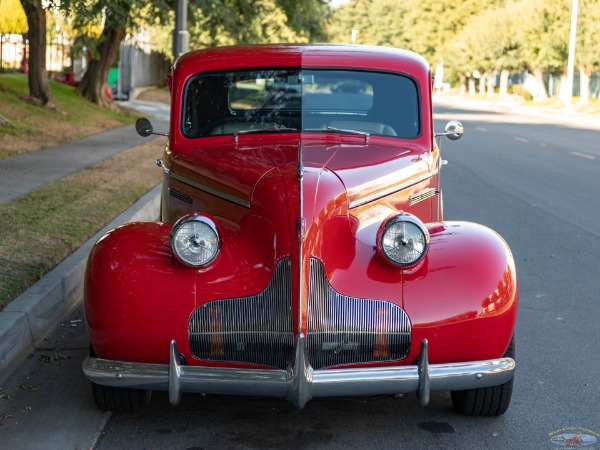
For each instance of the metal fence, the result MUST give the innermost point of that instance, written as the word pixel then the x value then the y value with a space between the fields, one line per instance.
pixel 139 65
pixel 14 49
pixel 553 83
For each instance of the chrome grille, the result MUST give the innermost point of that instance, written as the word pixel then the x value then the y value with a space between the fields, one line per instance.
pixel 180 195
pixel 420 196
pixel 257 329
pixel 347 330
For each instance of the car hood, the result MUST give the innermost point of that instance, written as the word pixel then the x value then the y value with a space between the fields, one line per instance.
pixel 366 170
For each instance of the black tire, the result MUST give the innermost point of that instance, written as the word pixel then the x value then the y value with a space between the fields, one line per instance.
pixel 116 399
pixel 489 401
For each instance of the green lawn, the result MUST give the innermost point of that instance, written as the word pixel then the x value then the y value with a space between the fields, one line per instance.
pixel 31 127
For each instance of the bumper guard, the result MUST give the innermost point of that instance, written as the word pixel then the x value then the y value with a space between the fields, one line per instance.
pixel 300 382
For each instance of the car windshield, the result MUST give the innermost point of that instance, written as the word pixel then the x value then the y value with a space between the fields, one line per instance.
pixel 285 100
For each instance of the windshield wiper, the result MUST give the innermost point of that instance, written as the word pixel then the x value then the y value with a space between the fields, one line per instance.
pixel 341 130
pixel 271 129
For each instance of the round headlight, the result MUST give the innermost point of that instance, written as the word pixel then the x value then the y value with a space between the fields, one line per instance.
pixel 195 240
pixel 403 240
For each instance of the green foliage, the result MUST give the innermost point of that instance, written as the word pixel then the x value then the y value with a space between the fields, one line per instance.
pixel 543 31
pixel 469 35
pixel 228 22
pixel 377 23
pixel 30 127
pixel 12 19
pixel 520 90
pixel 588 35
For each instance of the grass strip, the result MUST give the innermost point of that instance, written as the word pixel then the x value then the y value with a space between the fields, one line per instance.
pixel 41 229
pixel 31 127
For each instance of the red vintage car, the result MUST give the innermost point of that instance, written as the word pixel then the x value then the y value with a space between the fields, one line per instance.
pixel 301 250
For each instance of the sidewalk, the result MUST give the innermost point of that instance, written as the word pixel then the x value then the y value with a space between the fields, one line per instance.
pixel 22 174
pixel 27 319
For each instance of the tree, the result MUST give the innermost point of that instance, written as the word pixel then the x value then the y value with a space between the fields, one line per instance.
pixel 119 16
pixel 306 17
pixel 39 91
pixel 377 23
pixel 543 31
pixel 487 44
pixel 229 22
pixel 13 19
pixel 588 36
pixel 93 84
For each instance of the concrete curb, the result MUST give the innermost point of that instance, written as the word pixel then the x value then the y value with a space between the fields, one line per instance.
pixel 27 319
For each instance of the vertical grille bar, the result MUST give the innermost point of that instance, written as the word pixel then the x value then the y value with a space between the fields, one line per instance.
pixel 346 330
pixel 257 329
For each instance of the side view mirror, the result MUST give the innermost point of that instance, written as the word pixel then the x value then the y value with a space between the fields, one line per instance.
pixel 144 128
pixel 454 130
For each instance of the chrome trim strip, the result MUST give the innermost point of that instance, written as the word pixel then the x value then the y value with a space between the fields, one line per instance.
pixel 392 190
pixel 299 383
pixel 420 196
pixel 300 244
pixel 209 190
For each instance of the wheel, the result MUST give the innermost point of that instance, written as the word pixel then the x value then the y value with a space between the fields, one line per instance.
pixel 108 398
pixel 116 399
pixel 489 401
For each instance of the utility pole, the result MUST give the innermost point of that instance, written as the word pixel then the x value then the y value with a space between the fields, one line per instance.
pixel 571 61
pixel 181 36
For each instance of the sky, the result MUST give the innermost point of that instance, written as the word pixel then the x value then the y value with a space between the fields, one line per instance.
pixel 336 3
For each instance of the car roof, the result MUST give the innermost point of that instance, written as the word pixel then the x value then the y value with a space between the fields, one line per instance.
pixel 302 55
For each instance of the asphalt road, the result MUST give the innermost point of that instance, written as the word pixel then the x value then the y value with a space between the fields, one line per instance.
pixel 534 182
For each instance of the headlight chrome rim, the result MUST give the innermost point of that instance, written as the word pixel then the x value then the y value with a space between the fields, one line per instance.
pixel 397 245
pixel 195 240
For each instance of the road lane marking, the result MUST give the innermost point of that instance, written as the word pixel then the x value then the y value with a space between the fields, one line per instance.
pixel 583 155
pixel 481 129
pixel 519 139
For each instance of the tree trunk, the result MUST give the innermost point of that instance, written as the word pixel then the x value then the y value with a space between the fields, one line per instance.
pixel 39 91
pixel 93 86
pixel 542 93
pixel 504 83
pixel 585 72
pixel 471 84
pixel 482 83
pixel 491 81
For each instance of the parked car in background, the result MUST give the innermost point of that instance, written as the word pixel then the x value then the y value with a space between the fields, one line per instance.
pixel 302 250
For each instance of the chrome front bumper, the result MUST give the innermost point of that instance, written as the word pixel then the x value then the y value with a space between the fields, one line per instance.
pixel 300 383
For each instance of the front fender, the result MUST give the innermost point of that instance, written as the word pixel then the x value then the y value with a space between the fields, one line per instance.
pixel 136 299
pixel 463 296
